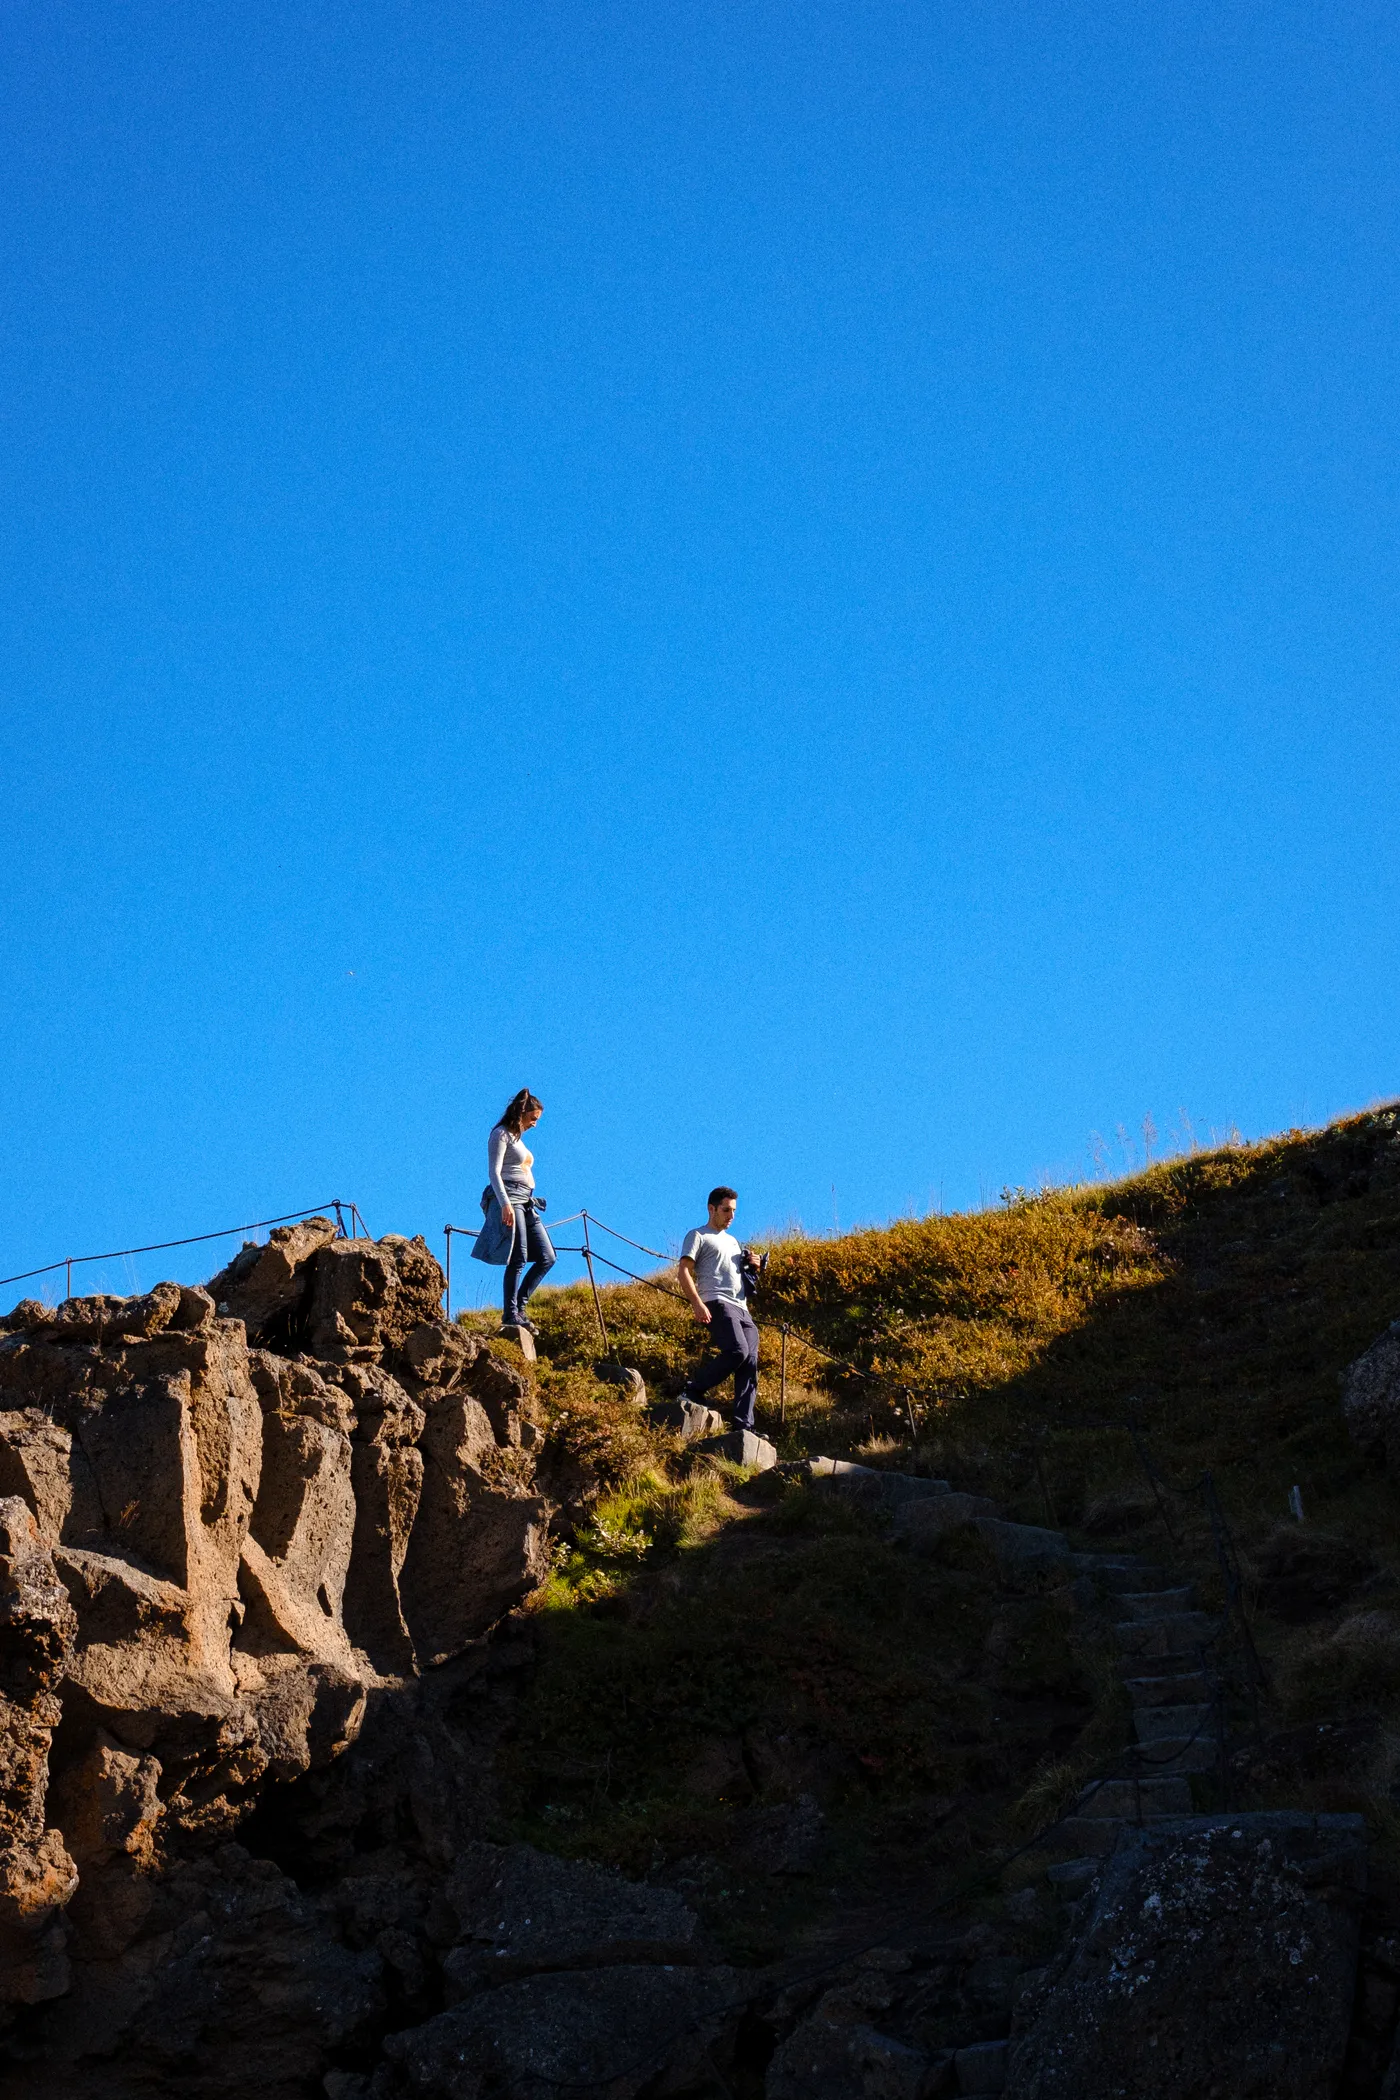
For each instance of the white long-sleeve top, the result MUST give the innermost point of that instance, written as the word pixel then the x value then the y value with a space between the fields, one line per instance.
pixel 508 1154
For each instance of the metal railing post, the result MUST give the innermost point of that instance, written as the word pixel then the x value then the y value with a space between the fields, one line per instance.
pixel 593 1284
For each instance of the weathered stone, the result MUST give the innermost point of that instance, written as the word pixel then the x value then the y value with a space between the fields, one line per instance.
pixel 923 1523
pixel 109 1804
pixel 295 1386
pixel 233 1986
pixel 388 1483
pixel 504 1392
pixel 476 1548
pixel 688 1419
pixel 521 1910
pixel 109 1319
pixel 436 1353
pixel 367 1297
pixel 303 1523
pixel 1371 1398
pixel 266 1286
pixel 27 1315
pixel 1220 1958
pixel 622 2028
pixel 37 1876
pixel 827 2059
pixel 742 1448
pixel 35 1457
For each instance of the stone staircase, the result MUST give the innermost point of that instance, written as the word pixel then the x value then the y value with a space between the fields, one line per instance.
pixel 1159 1634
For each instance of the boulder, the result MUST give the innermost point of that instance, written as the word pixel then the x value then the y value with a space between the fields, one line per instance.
pixel 924 1522
pixel 266 1286
pixel 843 2059
pixel 367 1297
pixel 742 1448
pixel 521 1910
pixel 688 1419
pixel 618 2030
pixel 29 1314
pixel 1220 1958
pixel 1371 1397
pixel 233 1985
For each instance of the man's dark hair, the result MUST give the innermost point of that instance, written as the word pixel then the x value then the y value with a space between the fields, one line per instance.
pixel 721 1195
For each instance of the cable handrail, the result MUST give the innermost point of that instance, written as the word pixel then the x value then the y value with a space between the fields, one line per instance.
pixel 193 1239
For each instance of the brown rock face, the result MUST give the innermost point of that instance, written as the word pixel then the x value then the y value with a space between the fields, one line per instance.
pixel 367 1296
pixel 475 1549
pixel 212 1557
pixel 265 1286
pixel 37 1877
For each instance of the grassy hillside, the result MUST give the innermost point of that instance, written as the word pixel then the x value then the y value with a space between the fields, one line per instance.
pixel 711 1656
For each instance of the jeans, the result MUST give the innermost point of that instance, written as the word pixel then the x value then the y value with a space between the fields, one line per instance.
pixel 736 1338
pixel 531 1244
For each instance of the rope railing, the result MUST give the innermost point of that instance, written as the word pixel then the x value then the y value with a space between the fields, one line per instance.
pixel 70 1262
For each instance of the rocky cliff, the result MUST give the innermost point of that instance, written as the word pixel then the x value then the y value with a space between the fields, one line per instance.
pixel 229 1517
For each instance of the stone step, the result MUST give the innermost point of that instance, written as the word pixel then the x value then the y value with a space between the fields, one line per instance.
pixel 1184 1753
pixel 1071 1877
pixel 873 1481
pixel 1116 1576
pixel 1158 1724
pixel 1152 1795
pixel 1153 1604
pixel 1174 1633
pixel 1182 1688
pixel 982 2068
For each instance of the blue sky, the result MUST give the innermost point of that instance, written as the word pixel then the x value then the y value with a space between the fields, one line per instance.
pixel 818 584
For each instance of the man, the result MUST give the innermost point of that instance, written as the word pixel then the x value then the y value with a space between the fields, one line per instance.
pixel 714 1275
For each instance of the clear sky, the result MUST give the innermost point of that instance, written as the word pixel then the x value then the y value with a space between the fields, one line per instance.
pixel 816 582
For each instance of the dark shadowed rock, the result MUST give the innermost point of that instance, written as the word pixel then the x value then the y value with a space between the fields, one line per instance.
pixel 626 2028
pixel 233 1986
pixel 521 1910
pixel 1371 1398
pixel 844 2059
pixel 1220 1959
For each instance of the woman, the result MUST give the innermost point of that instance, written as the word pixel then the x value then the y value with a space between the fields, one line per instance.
pixel 513 1232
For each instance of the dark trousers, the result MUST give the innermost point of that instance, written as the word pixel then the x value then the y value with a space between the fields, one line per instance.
pixel 736 1338
pixel 531 1243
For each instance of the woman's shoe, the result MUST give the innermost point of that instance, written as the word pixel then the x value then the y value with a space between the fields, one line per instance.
pixel 524 1320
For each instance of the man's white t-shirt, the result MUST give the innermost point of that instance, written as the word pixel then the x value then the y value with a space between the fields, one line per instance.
pixel 716 1258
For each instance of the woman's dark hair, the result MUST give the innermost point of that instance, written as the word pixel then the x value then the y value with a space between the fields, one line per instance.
pixel 517 1108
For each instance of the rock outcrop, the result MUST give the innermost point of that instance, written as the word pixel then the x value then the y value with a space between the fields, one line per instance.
pixel 1371 1398
pixel 1217 1959
pixel 228 1518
